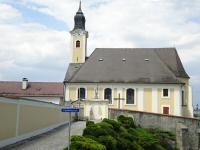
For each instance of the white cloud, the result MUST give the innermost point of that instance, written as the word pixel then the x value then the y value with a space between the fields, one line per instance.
pixel 111 23
pixel 8 12
pixel 29 46
pixel 134 23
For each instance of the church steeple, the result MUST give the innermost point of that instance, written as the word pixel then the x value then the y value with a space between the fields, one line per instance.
pixel 79 38
pixel 79 19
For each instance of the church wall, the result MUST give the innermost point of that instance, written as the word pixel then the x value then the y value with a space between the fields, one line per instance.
pixel 148 97
pixel 72 93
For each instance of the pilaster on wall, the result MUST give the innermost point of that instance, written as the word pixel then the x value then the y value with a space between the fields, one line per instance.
pixel 140 100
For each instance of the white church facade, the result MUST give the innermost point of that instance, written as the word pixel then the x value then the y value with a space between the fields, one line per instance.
pixel 141 79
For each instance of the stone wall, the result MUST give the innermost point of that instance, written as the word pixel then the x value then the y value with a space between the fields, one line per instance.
pixel 186 129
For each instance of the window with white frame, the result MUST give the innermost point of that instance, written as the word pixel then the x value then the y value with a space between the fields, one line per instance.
pixel 165 93
pixel 108 94
pixel 130 96
pixel 81 93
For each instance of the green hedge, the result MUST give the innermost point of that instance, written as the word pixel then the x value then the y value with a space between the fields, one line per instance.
pixel 122 134
pixel 83 143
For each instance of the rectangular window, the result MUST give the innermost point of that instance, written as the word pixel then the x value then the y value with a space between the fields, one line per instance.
pixel 165 93
pixel 166 110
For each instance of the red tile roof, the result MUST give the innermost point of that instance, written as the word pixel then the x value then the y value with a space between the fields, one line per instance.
pixel 39 89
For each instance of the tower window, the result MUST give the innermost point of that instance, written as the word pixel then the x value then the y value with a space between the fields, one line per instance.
pixel 130 96
pixel 78 44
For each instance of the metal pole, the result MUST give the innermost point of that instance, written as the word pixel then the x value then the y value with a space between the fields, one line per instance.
pixel 69 139
pixel 79 98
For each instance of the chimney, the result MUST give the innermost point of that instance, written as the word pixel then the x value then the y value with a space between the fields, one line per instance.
pixel 24 83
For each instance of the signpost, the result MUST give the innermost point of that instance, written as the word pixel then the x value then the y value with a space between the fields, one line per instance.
pixel 69 110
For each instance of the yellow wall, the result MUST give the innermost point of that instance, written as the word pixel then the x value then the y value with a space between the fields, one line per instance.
pixel 7 120
pixel 101 96
pixel 90 93
pixel 166 101
pixel 72 93
pixel 147 99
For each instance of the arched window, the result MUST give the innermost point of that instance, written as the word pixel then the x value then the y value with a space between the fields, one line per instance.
pixel 108 95
pixel 81 93
pixel 78 44
pixel 130 96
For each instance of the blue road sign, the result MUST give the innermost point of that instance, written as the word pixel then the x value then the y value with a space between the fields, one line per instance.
pixel 70 110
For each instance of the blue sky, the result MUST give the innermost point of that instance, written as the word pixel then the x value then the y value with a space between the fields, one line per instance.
pixel 35 35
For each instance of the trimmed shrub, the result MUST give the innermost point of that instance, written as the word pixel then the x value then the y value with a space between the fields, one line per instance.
pixel 83 143
pixel 144 138
pixel 124 144
pixel 126 122
pixel 95 131
pixel 88 123
pixel 116 125
pixel 109 142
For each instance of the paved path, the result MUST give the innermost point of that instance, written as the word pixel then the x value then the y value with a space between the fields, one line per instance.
pixel 53 140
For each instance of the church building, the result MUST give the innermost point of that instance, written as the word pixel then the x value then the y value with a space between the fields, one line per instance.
pixel 141 79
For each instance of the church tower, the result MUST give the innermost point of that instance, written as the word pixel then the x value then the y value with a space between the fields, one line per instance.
pixel 79 38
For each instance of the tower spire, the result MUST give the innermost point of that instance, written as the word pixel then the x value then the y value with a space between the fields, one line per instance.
pixel 80 7
pixel 79 19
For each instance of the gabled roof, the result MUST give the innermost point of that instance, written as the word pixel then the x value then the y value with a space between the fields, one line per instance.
pixel 128 65
pixel 34 89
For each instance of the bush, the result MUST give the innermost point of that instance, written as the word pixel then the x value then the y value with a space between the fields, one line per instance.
pixel 126 122
pixel 88 123
pixel 95 131
pixel 116 125
pixel 124 144
pixel 83 143
pixel 144 138
pixel 122 135
pixel 109 142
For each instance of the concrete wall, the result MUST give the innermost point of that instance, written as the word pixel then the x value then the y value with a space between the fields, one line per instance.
pixel 21 119
pixel 186 129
